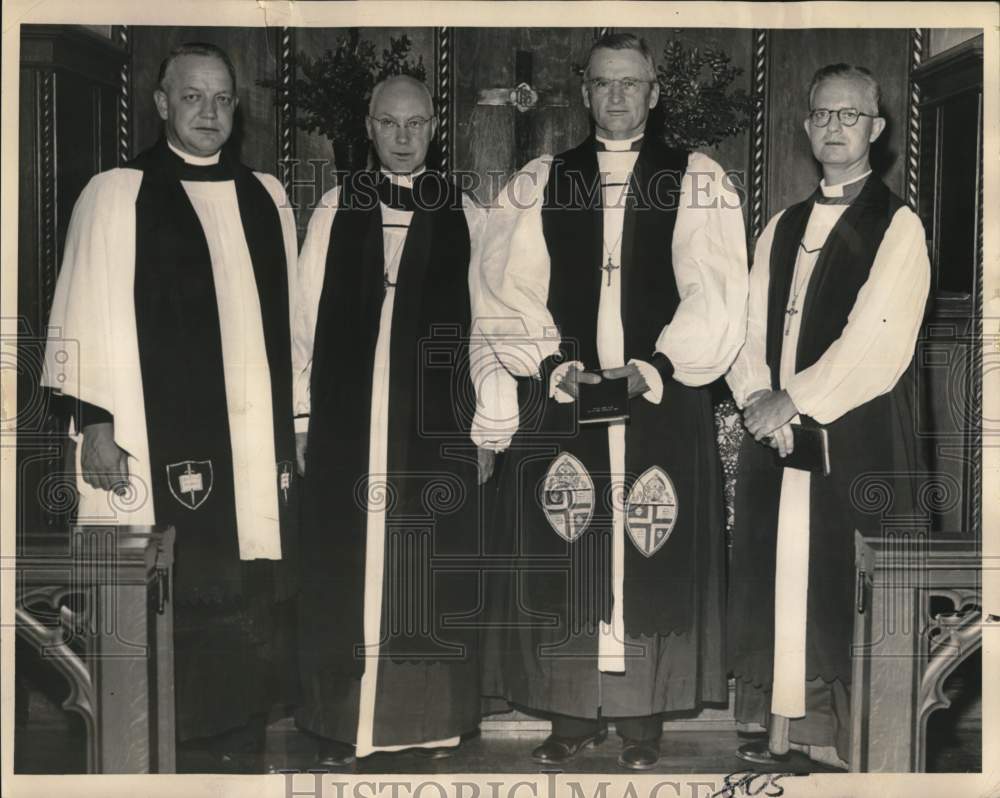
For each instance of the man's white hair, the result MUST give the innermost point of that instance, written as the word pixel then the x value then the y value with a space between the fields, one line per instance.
pixel 394 79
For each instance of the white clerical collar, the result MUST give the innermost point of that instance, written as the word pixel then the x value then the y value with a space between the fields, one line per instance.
pixel 406 181
pixel 195 160
pixel 837 189
pixel 619 145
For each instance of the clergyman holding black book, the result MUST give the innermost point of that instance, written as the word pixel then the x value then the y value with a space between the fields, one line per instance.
pixel 837 295
pixel 620 259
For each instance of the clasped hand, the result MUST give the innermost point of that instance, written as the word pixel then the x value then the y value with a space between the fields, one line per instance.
pixel 571 380
pixel 767 417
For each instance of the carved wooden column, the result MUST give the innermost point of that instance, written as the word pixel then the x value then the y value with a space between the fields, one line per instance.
pixel 444 68
pixel 285 118
pixel 758 136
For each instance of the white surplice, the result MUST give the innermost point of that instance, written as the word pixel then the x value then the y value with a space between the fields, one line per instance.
pixel 866 361
pixel 94 310
pixel 708 253
pixel 395 226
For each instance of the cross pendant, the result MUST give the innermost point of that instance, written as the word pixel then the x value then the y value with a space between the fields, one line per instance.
pixel 790 312
pixel 609 267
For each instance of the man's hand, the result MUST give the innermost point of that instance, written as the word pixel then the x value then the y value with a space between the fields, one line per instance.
pixel 782 440
pixel 487 459
pixel 571 379
pixel 774 409
pixel 300 451
pixel 756 395
pixel 104 462
pixel 637 385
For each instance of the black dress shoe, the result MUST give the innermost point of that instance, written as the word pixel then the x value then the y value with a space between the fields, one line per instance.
pixel 442 752
pixel 758 753
pixel 334 754
pixel 556 750
pixel 639 754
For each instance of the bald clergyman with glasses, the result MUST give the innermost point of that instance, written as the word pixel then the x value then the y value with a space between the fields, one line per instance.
pixel 380 360
pixel 837 295
pixel 619 267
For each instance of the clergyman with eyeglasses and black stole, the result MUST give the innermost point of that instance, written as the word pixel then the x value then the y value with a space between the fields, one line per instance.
pixel 620 259
pixel 837 294
pixel 390 472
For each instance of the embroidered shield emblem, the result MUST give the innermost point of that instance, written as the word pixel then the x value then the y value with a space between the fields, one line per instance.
pixel 190 482
pixel 568 497
pixel 284 478
pixel 651 511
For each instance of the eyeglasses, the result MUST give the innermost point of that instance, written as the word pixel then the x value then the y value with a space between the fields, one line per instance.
pixel 386 125
pixel 629 86
pixel 820 117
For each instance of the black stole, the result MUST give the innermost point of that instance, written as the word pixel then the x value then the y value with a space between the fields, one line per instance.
pixel 841 269
pixel 431 299
pixel 573 228
pixel 181 359
pixel 877 438
pixel 649 289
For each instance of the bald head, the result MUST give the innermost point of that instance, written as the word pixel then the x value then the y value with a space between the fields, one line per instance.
pixel 401 123
pixel 391 89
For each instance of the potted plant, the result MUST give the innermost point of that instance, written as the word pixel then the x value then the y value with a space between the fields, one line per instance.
pixel 697 107
pixel 331 92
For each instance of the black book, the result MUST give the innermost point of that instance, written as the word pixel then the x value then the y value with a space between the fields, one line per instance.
pixel 810 450
pixel 603 401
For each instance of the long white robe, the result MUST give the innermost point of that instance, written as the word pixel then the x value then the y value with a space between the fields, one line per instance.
pixel 866 361
pixel 93 354
pixel 708 253
pixel 312 270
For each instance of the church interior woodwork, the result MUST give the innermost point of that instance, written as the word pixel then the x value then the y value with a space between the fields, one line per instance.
pixel 86 106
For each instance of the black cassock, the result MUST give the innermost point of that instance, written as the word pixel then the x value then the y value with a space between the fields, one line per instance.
pixel 228 656
pixel 874 453
pixel 549 604
pixel 425 667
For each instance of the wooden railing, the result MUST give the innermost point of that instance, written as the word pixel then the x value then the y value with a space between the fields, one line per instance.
pixel 919 605
pixel 96 604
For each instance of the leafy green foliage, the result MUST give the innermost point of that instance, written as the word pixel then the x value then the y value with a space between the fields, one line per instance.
pixel 698 109
pixel 332 91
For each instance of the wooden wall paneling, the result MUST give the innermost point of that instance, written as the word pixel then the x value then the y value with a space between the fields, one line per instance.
pixel 795 56
pixel 252 51
pixel 487 135
pixel 561 121
pixel 68 85
pixel 86 141
pixel 950 206
pixel 484 134
pixel 941 39
pixel 732 153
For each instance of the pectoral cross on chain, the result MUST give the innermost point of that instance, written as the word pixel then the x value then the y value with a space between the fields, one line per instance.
pixel 609 267
pixel 790 312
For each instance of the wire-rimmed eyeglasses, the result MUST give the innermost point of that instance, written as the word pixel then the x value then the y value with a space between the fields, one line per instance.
pixel 820 117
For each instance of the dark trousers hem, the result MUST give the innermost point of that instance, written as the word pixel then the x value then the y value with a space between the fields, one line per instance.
pixel 646 728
